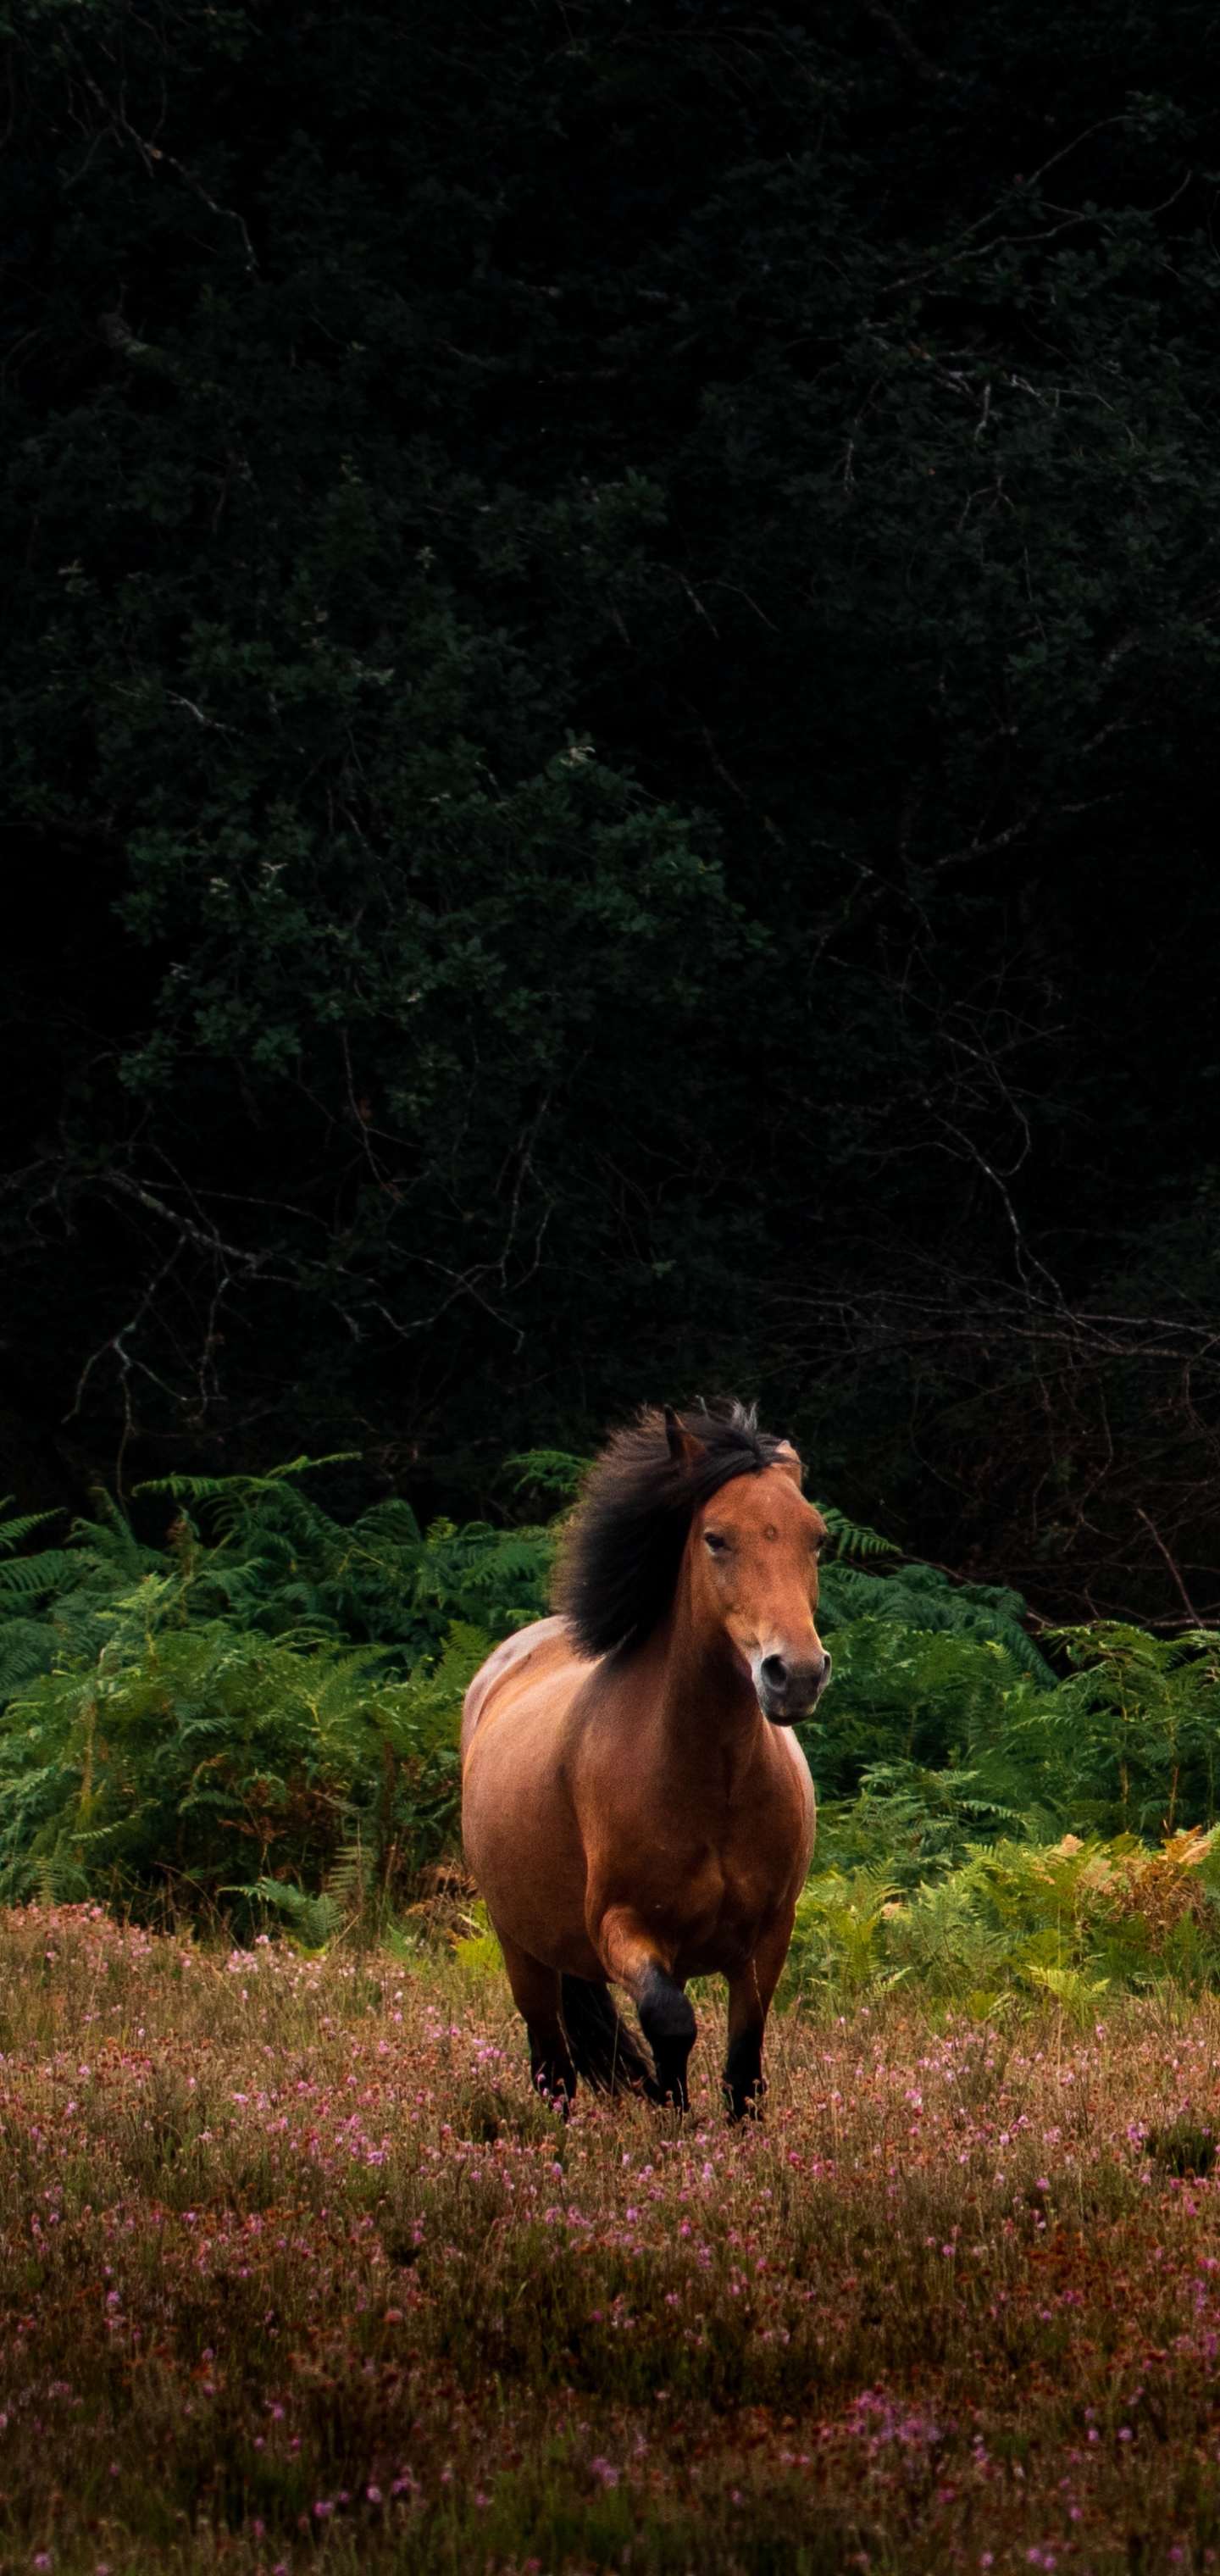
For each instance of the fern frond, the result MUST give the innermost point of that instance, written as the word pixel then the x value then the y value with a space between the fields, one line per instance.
pixel 29 1576
pixel 854 1538
pixel 13 1533
pixel 553 1471
pixel 213 1489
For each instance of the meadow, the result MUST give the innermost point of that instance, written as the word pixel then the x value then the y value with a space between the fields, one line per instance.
pixel 299 2274
pixel 298 2271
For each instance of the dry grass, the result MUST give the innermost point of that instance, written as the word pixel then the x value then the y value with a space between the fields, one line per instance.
pixel 296 2270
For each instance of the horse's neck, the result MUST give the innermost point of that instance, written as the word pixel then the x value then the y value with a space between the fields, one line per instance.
pixel 704 1701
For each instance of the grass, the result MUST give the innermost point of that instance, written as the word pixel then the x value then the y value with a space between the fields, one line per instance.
pixel 298 2275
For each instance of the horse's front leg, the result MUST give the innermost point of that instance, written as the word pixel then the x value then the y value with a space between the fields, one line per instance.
pixel 634 1958
pixel 750 1993
pixel 536 1994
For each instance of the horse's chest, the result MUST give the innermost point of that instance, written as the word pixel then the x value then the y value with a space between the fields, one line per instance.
pixel 745 1894
pixel 740 1865
pixel 722 1904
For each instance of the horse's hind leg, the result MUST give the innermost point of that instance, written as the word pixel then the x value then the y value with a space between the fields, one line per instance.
pixel 536 1994
pixel 744 2082
pixel 603 2049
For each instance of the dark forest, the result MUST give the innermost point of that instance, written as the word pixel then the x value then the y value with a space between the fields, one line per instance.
pixel 609 753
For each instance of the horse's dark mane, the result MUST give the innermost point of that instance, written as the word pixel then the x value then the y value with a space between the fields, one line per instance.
pixel 623 1547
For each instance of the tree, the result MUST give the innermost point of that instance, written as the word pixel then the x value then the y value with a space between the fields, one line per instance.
pixel 613 622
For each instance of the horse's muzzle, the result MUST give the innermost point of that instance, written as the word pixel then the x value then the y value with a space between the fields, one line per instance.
pixel 788 1690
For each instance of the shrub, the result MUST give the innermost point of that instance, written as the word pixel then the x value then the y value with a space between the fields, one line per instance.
pixel 261 1717
pixel 1066 1922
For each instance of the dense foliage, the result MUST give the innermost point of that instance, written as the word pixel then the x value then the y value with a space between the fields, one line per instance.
pixel 607 724
pixel 261 1719
pixel 258 1719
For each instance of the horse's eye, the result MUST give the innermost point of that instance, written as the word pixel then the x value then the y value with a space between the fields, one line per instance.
pixel 716 1545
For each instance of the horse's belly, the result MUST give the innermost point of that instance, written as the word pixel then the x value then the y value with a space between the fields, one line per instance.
pixel 519 1828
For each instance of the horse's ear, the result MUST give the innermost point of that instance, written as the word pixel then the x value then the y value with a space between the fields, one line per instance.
pixel 683 1446
pixel 788 1463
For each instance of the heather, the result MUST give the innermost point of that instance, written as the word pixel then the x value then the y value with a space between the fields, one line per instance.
pixel 298 2272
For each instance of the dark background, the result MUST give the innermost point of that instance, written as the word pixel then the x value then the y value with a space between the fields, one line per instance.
pixel 609 759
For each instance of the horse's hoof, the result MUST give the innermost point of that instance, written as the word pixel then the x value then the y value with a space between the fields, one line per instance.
pixel 669 2091
pixel 557 2097
pixel 745 2106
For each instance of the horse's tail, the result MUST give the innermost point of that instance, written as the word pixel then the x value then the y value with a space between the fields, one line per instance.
pixel 603 2050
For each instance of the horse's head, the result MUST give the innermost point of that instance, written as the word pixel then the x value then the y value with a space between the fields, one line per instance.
pixel 753 1553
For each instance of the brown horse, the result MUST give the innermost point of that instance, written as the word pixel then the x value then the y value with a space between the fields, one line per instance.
pixel 633 1805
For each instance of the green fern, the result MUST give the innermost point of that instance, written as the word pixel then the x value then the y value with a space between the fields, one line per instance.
pixel 1018 1923
pixel 854 1538
pixel 183 1752
pixel 837 1939
pixel 313 1920
pixel 551 1471
pixel 921 1597
pixel 14 1532
pixel 262 1554
pixel 270 1701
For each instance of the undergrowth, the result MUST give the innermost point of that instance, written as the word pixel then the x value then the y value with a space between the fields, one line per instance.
pixel 256 1720
pixel 259 1717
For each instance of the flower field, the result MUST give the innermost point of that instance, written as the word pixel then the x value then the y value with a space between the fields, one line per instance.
pixel 298 2274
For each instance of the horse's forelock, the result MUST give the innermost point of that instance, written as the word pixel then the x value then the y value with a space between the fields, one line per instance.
pixel 624 1544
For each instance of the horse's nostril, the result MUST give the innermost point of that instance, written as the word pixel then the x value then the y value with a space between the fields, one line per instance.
pixel 774 1671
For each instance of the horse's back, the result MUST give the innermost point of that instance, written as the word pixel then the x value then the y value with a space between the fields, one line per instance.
pixel 532 1655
